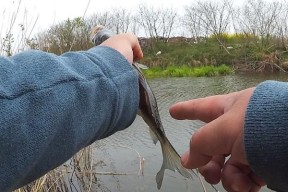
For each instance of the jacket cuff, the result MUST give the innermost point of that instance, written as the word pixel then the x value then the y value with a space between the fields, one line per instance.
pixel 266 133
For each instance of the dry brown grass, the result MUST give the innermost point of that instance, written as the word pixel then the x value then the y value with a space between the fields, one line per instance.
pixel 75 175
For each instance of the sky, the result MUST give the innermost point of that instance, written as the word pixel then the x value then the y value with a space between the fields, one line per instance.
pixel 39 15
pixel 50 12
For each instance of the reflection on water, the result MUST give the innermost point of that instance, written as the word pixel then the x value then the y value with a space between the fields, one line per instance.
pixel 119 153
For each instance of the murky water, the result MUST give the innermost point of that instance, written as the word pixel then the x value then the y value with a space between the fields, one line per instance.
pixel 117 157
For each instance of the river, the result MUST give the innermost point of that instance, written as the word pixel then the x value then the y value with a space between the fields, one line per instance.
pixel 119 154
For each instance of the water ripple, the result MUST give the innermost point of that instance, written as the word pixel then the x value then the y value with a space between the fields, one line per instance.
pixel 167 92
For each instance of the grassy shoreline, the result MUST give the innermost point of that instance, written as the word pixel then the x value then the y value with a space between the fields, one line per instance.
pixel 186 71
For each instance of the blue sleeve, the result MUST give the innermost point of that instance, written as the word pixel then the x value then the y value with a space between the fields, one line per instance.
pixel 53 106
pixel 266 133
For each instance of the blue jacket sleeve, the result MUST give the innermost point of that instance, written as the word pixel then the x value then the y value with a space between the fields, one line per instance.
pixel 53 106
pixel 266 133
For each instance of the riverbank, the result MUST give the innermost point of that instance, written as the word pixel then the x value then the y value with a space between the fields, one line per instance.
pixel 187 71
pixel 239 52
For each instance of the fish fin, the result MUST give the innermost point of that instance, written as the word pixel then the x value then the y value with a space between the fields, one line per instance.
pixel 172 161
pixel 153 136
pixel 159 177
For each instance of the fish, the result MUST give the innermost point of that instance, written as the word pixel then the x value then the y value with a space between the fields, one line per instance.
pixel 149 112
pixel 99 34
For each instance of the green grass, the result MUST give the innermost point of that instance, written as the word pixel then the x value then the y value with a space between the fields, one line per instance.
pixel 242 52
pixel 186 71
pixel 182 53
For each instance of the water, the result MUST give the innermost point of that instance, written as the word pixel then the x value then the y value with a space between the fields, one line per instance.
pixel 117 157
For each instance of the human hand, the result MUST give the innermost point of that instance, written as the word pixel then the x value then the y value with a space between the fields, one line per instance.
pixel 220 137
pixel 127 44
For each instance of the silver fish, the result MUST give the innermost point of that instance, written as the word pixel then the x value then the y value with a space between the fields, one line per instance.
pixel 148 110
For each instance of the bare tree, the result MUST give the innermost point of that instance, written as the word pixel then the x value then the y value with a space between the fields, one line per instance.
pixel 42 40
pixel 259 18
pixel 149 20
pixel 105 19
pixel 157 23
pixel 66 36
pixel 81 35
pixel 6 43
pixel 121 20
pixel 192 23
pixel 134 25
pixel 282 27
pixel 15 30
pixel 212 18
pixel 168 18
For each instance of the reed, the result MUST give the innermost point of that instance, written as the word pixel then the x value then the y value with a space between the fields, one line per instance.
pixel 16 29
pixel 77 174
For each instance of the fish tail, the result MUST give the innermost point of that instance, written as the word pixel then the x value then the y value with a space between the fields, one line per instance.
pixel 172 161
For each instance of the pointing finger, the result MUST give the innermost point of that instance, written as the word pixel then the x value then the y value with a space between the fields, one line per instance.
pixel 204 109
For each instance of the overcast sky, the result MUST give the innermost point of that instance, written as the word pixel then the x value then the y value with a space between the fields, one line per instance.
pixel 52 11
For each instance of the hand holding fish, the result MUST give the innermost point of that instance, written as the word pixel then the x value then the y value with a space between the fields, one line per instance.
pixel 127 44
pixel 220 137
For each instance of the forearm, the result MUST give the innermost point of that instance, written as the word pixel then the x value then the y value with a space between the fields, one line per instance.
pixel 266 133
pixel 51 107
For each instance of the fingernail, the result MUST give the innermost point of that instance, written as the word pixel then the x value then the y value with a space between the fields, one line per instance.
pixel 184 158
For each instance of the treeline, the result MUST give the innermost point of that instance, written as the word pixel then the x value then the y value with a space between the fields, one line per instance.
pixel 256 29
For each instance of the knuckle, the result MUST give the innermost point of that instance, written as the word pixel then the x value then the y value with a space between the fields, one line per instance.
pixel 195 140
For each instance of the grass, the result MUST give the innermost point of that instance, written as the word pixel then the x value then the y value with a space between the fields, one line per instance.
pixel 76 174
pixel 183 53
pixel 243 53
pixel 186 71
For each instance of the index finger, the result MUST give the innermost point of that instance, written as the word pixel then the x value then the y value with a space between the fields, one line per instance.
pixel 137 51
pixel 205 109
pixel 127 44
